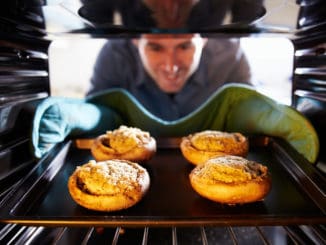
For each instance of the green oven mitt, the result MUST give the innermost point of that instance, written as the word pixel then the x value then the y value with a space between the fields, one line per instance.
pixel 232 108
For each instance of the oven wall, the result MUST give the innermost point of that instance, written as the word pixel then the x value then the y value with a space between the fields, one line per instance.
pixel 24 82
pixel 309 71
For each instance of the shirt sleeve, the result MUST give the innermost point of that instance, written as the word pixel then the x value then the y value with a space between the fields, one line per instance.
pixel 226 62
pixel 241 71
pixel 113 66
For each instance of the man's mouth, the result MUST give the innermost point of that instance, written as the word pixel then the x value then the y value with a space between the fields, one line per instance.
pixel 172 77
pixel 171 82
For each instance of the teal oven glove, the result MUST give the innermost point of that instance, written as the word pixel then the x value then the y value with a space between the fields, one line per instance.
pixel 232 108
pixel 57 118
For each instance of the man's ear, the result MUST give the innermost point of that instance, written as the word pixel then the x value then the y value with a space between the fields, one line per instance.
pixel 135 42
pixel 205 41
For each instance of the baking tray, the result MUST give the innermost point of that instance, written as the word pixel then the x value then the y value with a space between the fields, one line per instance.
pixel 297 195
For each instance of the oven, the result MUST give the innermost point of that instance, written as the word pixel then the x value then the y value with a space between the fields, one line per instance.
pixel 35 206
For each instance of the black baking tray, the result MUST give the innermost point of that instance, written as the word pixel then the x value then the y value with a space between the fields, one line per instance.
pixel 297 195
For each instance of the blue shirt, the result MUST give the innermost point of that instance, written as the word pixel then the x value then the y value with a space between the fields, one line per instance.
pixel 119 66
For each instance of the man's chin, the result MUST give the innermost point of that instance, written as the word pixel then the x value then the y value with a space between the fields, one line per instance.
pixel 171 87
pixel 171 90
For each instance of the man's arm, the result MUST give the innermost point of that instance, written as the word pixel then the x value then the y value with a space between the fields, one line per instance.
pixel 113 67
pixel 241 72
pixel 226 62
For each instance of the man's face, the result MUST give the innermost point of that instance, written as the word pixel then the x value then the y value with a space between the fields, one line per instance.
pixel 170 59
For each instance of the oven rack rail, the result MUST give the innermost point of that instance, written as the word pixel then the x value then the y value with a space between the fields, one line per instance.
pixel 17 234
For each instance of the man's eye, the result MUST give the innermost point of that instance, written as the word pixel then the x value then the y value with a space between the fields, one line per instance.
pixel 185 46
pixel 155 48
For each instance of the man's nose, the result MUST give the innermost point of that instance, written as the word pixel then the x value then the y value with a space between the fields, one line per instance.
pixel 170 63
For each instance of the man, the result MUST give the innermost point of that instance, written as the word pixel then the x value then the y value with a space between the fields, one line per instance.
pixel 170 74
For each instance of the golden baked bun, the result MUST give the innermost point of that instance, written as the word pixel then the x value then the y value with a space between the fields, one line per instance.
pixel 126 143
pixel 109 185
pixel 231 180
pixel 199 147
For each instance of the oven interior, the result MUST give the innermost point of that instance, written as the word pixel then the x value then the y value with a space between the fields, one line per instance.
pixel 40 56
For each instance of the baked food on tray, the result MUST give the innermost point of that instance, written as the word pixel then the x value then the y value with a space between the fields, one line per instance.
pixel 197 148
pixel 108 185
pixel 127 143
pixel 231 180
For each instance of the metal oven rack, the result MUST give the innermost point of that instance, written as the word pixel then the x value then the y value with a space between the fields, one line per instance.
pixel 16 234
